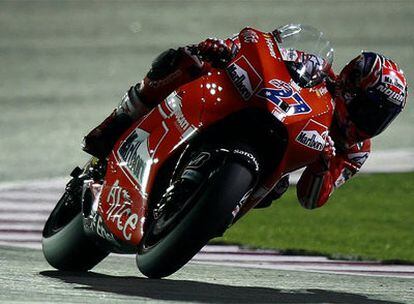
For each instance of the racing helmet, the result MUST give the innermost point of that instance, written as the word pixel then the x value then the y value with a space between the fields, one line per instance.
pixel 372 91
pixel 307 54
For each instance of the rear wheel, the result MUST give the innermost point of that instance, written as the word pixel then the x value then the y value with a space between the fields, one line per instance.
pixel 65 244
pixel 183 228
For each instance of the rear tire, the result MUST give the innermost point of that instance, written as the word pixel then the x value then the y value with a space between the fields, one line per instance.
pixel 209 217
pixel 65 244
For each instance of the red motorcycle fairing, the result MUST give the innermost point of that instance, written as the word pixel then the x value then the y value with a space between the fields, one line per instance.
pixel 256 78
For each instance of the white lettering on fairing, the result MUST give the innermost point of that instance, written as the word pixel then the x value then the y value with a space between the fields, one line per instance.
pixel 120 202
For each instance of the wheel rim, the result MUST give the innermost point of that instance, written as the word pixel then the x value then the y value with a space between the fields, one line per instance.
pixel 180 203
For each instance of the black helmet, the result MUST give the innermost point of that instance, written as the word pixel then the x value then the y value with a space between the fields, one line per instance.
pixel 372 92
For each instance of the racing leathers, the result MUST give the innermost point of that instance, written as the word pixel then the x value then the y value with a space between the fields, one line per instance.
pixel 322 177
pixel 174 68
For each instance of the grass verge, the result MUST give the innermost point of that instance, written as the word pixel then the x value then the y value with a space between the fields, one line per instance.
pixel 371 217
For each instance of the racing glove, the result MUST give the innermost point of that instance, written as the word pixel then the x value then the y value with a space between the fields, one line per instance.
pixel 215 51
pixel 327 154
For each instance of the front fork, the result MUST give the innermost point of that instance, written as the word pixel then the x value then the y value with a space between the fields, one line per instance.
pixel 90 179
pixel 200 165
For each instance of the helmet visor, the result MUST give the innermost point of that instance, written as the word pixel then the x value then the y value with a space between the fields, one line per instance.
pixel 370 115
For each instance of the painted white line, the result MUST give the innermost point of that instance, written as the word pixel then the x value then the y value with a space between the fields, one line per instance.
pixel 17 236
pixel 379 271
pixel 297 263
pixel 22 226
pixel 29 216
pixel 51 183
pixel 259 258
pixel 28 196
pixel 22 206
pixel 28 244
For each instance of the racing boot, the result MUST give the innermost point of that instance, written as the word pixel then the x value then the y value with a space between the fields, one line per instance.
pixel 281 187
pixel 100 141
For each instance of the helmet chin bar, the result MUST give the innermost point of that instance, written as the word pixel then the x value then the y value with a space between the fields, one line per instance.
pixel 346 132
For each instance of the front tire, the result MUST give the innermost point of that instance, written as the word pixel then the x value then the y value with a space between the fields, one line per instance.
pixel 209 217
pixel 65 244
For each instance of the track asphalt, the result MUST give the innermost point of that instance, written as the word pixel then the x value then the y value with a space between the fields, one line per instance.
pixel 65 65
pixel 219 274
pixel 26 277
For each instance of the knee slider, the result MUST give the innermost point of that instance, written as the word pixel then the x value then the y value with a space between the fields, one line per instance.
pixel 164 64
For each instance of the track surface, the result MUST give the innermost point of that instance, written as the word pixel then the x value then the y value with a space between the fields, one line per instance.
pixel 65 65
pixel 219 274
pixel 116 280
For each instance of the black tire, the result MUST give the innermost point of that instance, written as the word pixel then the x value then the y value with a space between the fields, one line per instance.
pixel 65 244
pixel 209 217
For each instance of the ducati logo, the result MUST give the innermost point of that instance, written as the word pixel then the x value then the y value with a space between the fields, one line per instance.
pixel 313 135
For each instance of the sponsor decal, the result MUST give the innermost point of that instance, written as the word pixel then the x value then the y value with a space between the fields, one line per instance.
pixel 393 96
pixel 359 157
pixel 271 47
pixel 244 77
pixel 319 91
pixel 250 36
pixel 120 211
pixel 249 156
pixel 343 177
pixel 313 135
pixel 241 203
pixel 181 120
pixel 99 227
pixel 393 83
pixel 134 154
pixel 174 104
pixel 387 79
pixel 285 97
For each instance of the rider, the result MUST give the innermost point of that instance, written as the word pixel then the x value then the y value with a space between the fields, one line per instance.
pixel 368 93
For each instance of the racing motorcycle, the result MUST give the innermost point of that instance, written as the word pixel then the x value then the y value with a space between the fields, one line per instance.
pixel 210 152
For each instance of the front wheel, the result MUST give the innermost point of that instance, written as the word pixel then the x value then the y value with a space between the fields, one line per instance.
pixel 204 215
pixel 65 244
